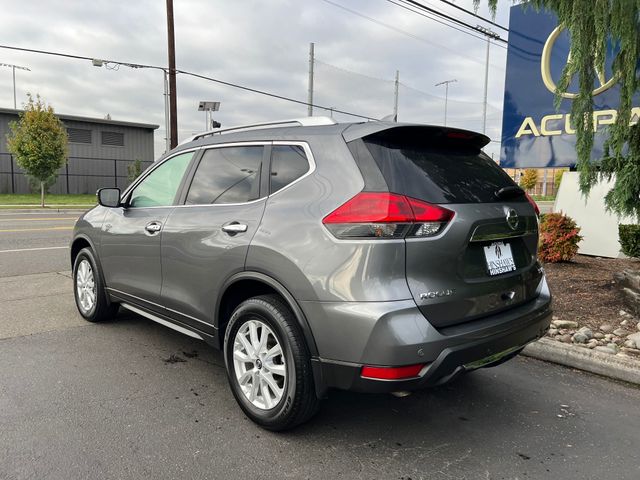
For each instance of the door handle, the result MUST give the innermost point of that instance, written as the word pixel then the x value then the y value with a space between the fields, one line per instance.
pixel 153 227
pixel 233 228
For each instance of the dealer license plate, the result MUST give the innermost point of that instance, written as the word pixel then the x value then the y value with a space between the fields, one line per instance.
pixel 499 258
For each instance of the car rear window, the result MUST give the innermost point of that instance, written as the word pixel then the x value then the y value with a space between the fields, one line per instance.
pixel 433 169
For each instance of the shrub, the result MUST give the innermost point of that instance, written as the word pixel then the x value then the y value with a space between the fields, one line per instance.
pixel 630 240
pixel 559 237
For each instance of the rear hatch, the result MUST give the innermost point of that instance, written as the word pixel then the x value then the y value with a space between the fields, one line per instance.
pixel 482 257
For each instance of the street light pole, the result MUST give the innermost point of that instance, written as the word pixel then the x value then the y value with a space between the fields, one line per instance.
pixel 13 71
pixel 446 95
pixel 310 86
pixel 490 34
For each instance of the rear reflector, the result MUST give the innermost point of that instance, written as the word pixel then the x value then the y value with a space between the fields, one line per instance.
pixel 391 373
pixel 386 215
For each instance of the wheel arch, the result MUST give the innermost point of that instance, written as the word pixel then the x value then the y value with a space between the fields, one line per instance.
pixel 83 241
pixel 247 284
pixel 77 244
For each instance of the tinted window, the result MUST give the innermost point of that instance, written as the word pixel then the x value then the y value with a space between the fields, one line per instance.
pixel 159 188
pixel 434 170
pixel 227 175
pixel 288 163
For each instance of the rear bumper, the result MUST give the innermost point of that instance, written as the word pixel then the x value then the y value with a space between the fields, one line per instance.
pixel 404 337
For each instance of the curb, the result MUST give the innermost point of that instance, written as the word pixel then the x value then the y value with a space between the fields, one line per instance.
pixel 619 367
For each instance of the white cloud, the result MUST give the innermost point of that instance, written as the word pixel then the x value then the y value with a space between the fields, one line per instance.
pixel 262 44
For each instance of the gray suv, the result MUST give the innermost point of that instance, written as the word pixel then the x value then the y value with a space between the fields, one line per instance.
pixel 374 257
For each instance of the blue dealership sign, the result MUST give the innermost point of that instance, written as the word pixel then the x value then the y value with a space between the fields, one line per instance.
pixel 534 133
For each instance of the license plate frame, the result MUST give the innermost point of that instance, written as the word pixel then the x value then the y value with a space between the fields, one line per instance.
pixel 499 258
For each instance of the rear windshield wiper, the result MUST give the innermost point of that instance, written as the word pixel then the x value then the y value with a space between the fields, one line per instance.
pixel 509 192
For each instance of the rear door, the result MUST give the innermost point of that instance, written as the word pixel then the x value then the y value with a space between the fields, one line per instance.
pixel 484 259
pixel 205 239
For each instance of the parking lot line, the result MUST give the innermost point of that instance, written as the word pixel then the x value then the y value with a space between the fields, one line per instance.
pixel 16 250
pixel 36 219
pixel 35 229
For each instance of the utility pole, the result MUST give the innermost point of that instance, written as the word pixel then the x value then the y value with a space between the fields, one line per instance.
pixel 395 96
pixel 173 106
pixel 13 68
pixel 490 34
pixel 310 94
pixel 167 128
pixel 446 95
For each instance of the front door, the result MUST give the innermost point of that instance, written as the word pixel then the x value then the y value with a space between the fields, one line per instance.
pixel 131 235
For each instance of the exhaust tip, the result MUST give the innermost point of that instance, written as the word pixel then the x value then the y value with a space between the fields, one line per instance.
pixel 401 394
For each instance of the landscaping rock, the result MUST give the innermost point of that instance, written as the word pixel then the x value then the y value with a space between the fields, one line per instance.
pixel 606 328
pixel 624 322
pixel 579 337
pixel 635 337
pixel 630 344
pixel 587 332
pixel 608 336
pixel 565 338
pixel 638 326
pixel 622 313
pixel 629 283
pixel 634 352
pixel 620 332
pixel 564 324
pixel 609 350
pixel 553 332
pixel 593 343
pixel 598 335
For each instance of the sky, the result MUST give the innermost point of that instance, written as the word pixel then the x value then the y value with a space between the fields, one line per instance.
pixel 359 46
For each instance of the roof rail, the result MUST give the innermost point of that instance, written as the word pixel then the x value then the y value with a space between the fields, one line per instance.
pixel 296 122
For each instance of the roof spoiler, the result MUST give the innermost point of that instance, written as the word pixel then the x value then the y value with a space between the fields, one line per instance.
pixel 394 131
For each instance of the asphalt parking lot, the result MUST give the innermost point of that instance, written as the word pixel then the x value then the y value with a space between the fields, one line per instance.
pixel 79 400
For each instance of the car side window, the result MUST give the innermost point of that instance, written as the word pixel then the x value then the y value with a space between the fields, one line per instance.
pixel 288 163
pixel 159 188
pixel 227 175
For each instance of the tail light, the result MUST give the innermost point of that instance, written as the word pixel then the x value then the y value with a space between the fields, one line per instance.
pixel 386 215
pixel 533 204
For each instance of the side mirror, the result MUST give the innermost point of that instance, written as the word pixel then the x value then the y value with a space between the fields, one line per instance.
pixel 109 197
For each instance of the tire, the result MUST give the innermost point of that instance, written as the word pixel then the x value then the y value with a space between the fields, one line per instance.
pixel 88 289
pixel 288 373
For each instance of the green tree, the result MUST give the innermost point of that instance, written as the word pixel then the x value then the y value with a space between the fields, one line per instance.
pixel 134 169
pixel 39 142
pixel 529 179
pixel 590 24
pixel 557 179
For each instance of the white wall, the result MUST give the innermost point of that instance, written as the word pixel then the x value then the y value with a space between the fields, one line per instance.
pixel 599 228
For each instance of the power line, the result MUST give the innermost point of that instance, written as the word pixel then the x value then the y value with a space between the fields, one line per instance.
pixel 192 74
pixel 448 17
pixel 473 14
pixel 408 34
pixel 430 17
pixel 274 95
pixel 446 23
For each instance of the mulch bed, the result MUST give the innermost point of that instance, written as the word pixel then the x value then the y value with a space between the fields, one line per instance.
pixel 584 290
